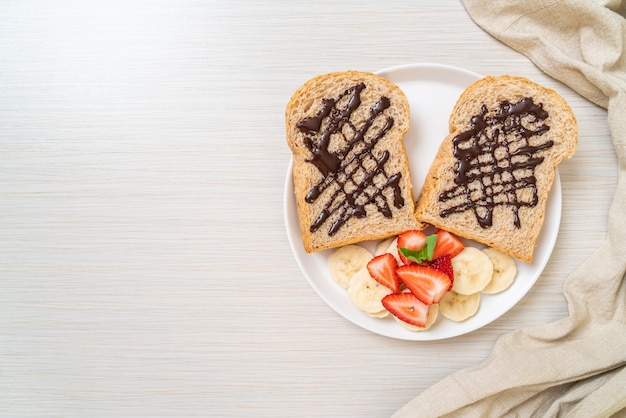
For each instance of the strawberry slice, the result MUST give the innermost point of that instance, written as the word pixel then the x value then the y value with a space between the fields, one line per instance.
pixel 444 263
pixel 413 240
pixel 427 283
pixel 382 268
pixel 406 307
pixel 447 243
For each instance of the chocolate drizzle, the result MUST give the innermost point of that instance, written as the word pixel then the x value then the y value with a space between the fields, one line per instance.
pixel 353 176
pixel 496 161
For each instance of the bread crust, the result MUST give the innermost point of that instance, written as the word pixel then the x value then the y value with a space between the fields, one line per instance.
pixel 331 93
pixel 485 97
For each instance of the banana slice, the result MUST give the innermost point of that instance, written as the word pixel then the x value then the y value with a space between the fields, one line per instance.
pixel 382 314
pixel 433 314
pixel 383 246
pixel 472 271
pixel 366 294
pixel 393 250
pixel 504 271
pixel 345 261
pixel 457 307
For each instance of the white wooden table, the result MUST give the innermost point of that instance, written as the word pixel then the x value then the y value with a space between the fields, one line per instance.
pixel 144 265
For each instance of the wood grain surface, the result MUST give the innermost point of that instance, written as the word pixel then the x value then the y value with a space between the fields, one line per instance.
pixel 144 264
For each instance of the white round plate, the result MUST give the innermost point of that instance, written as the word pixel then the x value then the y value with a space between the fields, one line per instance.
pixel 432 90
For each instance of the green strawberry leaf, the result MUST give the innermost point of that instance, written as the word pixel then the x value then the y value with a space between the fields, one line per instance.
pixel 426 253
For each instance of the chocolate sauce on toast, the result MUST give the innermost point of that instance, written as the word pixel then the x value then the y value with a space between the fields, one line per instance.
pixel 353 175
pixel 496 161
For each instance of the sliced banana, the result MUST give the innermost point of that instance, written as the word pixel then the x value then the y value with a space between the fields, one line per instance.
pixel 504 271
pixel 393 250
pixel 345 261
pixel 382 314
pixel 472 271
pixel 433 313
pixel 366 294
pixel 383 246
pixel 457 307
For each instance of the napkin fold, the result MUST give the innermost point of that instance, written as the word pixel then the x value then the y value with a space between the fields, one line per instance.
pixel 574 367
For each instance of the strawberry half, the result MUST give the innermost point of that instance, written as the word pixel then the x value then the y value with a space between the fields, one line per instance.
pixel 444 263
pixel 447 243
pixel 413 240
pixel 406 307
pixel 427 283
pixel 382 268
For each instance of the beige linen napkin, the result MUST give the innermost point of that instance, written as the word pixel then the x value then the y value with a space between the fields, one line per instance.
pixel 575 367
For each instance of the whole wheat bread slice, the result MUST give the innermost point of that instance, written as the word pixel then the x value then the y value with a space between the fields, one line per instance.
pixel 491 177
pixel 350 170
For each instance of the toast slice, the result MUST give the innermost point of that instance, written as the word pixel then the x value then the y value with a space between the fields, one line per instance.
pixel 490 179
pixel 350 169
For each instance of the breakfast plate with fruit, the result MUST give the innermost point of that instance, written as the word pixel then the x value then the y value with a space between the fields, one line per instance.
pixel 429 284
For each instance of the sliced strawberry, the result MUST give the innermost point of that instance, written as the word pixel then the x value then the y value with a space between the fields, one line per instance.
pixel 444 263
pixel 382 268
pixel 447 243
pixel 427 283
pixel 413 240
pixel 406 307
